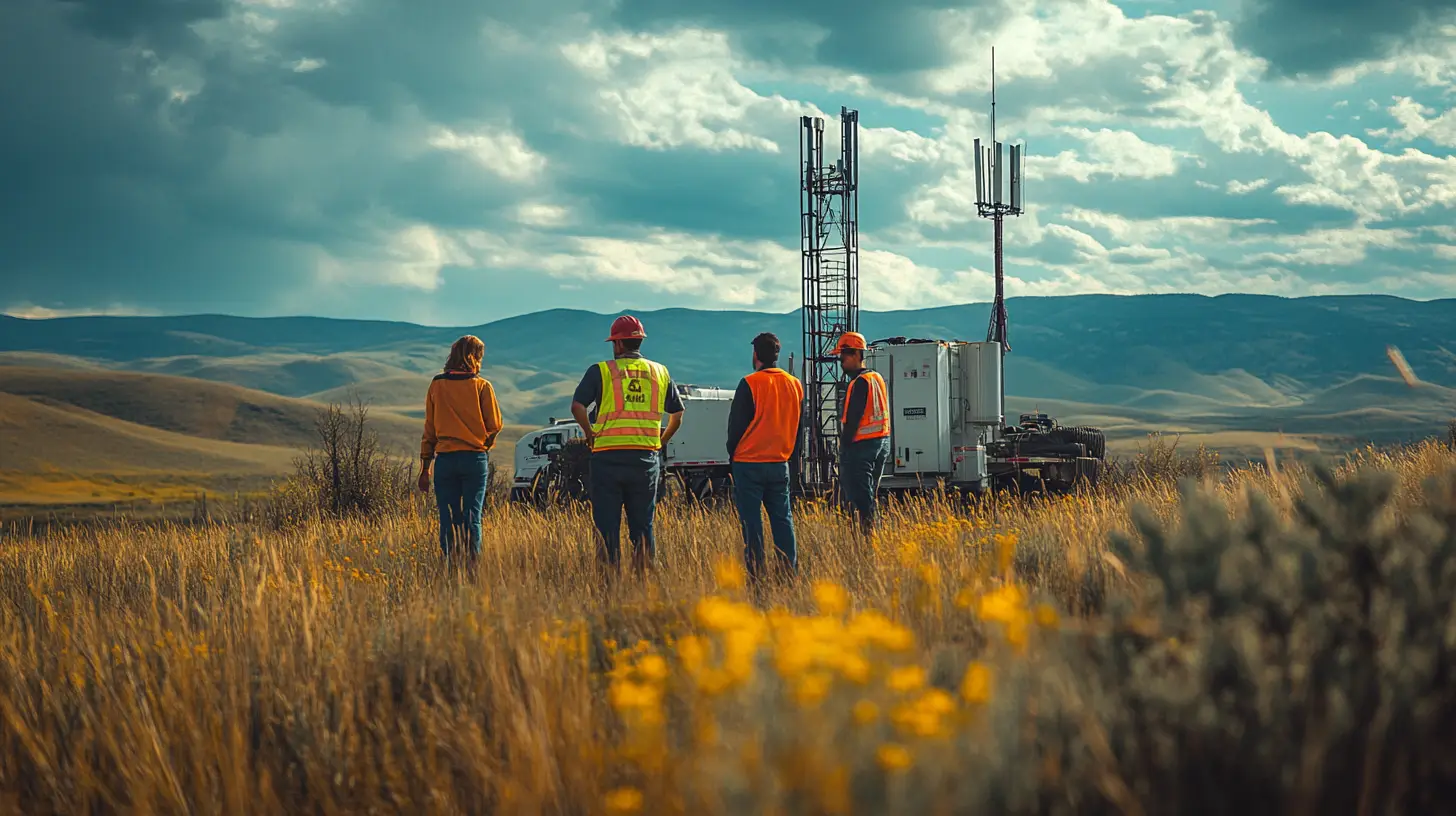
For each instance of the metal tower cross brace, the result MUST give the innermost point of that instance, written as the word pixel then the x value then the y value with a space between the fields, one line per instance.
pixel 829 232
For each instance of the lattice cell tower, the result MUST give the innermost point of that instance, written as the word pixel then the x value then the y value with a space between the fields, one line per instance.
pixel 829 229
pixel 995 201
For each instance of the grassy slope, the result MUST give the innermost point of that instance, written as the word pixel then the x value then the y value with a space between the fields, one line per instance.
pixel 61 453
pixel 78 435
pixel 189 406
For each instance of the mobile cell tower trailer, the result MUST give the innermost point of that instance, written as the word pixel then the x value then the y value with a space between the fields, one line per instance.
pixel 947 398
pixel 947 426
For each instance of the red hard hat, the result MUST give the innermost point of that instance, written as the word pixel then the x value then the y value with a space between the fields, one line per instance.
pixel 627 327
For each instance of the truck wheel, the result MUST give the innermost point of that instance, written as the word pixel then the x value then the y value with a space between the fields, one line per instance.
pixel 1092 439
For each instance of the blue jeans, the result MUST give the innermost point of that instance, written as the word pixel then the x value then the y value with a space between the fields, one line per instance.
pixel 624 480
pixel 460 479
pixel 766 485
pixel 861 464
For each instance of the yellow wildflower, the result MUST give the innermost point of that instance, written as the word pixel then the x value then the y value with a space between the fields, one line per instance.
pixel 692 652
pixel 854 667
pixel 1003 605
pixel 930 574
pixel 1005 552
pixel 830 598
pixel 1046 616
pixel 811 688
pixel 729 575
pixel 964 598
pixel 721 614
pixel 1016 634
pixel 906 678
pixel 626 695
pixel 909 553
pixel 875 628
pixel 976 685
pixel 653 667
pixel 865 712
pixel 893 757
pixel 624 800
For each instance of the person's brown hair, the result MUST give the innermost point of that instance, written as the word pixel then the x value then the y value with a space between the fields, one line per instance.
pixel 766 347
pixel 466 355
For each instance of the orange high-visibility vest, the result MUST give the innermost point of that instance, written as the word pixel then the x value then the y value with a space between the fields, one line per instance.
pixel 876 420
pixel 778 402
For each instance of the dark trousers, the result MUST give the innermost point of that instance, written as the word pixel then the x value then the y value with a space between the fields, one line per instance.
pixel 861 464
pixel 765 485
pixel 460 481
pixel 624 481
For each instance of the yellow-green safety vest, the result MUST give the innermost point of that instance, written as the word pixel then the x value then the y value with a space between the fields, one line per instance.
pixel 634 397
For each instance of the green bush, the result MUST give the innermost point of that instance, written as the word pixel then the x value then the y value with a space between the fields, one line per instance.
pixel 1267 665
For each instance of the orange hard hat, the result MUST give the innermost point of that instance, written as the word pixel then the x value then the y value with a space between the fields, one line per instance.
pixel 851 340
pixel 627 327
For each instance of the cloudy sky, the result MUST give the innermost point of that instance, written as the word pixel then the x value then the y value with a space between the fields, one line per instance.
pixel 457 161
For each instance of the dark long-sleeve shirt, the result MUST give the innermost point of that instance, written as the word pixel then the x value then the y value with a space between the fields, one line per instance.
pixel 740 416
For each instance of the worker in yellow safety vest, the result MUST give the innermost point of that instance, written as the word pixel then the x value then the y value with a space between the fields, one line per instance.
pixel 864 436
pixel 619 404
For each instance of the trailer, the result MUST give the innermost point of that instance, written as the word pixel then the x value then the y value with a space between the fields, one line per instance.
pixel 696 461
pixel 552 462
pixel 947 428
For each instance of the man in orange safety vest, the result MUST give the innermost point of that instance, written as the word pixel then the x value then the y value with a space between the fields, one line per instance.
pixel 864 436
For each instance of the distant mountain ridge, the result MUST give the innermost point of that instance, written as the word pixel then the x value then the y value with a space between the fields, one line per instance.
pixel 1237 359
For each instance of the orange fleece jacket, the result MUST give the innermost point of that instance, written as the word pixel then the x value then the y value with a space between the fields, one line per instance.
pixel 461 414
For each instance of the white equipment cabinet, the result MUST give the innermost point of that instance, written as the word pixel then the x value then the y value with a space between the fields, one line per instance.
pixel 933 388
pixel 918 376
pixel 947 428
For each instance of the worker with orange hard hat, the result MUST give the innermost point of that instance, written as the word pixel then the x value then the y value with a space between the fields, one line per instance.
pixel 619 404
pixel 864 436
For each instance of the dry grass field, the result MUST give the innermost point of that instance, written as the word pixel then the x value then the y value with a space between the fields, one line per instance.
pixel 1268 643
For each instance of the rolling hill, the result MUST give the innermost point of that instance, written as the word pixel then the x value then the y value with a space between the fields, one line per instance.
pixel 190 407
pixel 76 436
pixel 1256 364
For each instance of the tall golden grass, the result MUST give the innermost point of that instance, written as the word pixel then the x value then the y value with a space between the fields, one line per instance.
pixel 339 667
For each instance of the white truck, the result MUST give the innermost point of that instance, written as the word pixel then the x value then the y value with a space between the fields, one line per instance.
pixel 536 449
pixel 947 428
pixel 695 462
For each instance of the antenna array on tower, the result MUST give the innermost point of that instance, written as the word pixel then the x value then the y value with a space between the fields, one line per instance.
pixel 995 201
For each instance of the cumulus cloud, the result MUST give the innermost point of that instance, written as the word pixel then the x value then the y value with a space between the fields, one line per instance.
pixel 488 158
pixel 1419 121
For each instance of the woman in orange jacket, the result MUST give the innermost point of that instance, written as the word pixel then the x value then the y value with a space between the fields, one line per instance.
pixel 462 420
